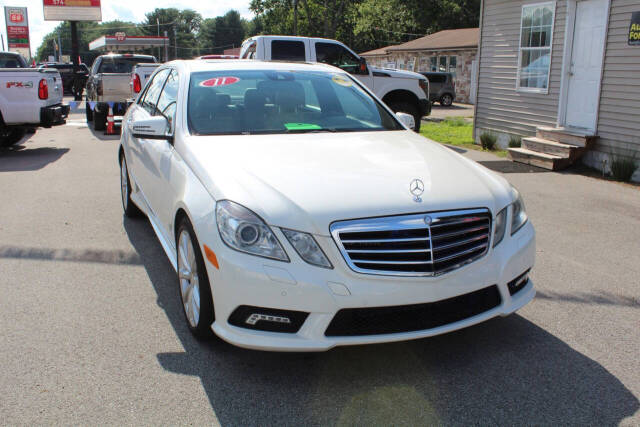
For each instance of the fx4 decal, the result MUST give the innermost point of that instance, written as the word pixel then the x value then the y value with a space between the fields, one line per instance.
pixel 19 84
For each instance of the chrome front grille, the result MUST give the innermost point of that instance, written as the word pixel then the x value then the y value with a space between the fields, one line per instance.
pixel 414 245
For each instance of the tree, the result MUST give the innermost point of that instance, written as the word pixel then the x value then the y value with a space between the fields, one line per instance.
pixel 382 22
pixel 222 32
pixel 183 23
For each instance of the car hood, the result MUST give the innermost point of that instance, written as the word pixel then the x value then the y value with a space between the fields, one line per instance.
pixel 398 73
pixel 307 181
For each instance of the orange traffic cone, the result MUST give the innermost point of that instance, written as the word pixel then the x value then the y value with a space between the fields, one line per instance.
pixel 111 129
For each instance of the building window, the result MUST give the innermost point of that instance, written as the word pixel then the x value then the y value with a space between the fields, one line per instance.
pixel 453 63
pixel 536 36
pixel 442 64
pixel 433 63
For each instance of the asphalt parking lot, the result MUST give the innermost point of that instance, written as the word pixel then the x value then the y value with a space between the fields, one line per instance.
pixel 93 333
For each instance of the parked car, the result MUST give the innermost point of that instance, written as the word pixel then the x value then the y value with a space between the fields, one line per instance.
pixel 108 82
pixel 139 76
pixel 301 214
pixel 29 98
pixel 74 78
pixel 442 88
pixel 404 91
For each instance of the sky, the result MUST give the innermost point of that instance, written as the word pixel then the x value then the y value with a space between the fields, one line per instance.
pixel 124 10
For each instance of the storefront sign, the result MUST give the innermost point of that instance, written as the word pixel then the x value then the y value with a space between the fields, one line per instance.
pixel 634 29
pixel 17 22
pixel 72 10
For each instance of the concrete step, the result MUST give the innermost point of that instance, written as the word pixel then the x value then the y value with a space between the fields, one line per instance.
pixel 569 136
pixel 551 147
pixel 535 158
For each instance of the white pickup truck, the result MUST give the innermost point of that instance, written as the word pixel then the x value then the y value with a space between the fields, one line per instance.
pixel 402 91
pixel 30 97
pixel 139 77
pixel 108 83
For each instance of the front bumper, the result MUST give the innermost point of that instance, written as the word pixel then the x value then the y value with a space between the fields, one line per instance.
pixel 244 280
pixel 53 115
pixel 425 107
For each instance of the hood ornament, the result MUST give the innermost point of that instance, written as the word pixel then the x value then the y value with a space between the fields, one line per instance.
pixel 416 187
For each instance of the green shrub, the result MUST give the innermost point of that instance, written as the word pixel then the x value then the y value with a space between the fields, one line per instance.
pixel 488 141
pixel 622 168
pixel 515 141
pixel 455 121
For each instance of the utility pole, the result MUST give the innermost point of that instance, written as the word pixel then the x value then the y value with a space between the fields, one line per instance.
pixel 175 41
pixel 166 46
pixel 158 48
pixel 2 37
pixel 59 48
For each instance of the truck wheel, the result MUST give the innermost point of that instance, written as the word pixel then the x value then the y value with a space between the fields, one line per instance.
pixel 406 107
pixel 10 136
pixel 88 112
pixel 99 120
pixel 446 100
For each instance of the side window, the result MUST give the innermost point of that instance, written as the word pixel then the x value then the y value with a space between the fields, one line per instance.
pixel 287 50
pixel 338 56
pixel 96 64
pixel 168 98
pixel 153 92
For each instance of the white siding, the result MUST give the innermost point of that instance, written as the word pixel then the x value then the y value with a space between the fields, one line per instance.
pixel 499 106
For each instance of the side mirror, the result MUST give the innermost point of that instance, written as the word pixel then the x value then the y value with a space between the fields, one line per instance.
pixel 156 127
pixel 362 66
pixel 406 119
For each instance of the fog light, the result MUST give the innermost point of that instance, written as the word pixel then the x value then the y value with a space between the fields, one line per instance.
pixel 518 283
pixel 255 317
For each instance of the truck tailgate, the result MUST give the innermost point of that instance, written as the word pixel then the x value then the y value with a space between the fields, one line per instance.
pixel 115 86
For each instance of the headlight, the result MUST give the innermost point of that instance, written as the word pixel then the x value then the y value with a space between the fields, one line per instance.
pixel 307 248
pixel 501 226
pixel 244 231
pixel 518 213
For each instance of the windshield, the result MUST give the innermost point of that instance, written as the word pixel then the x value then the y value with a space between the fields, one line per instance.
pixel 122 64
pixel 267 101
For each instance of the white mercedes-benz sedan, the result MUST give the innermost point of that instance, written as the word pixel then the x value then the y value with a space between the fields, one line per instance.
pixel 301 214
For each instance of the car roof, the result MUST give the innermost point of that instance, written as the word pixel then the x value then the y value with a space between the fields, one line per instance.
pixel 250 64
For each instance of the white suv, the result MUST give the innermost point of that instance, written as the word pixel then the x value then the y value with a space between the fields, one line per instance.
pixel 300 214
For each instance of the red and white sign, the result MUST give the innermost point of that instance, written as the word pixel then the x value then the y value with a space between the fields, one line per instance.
pixel 121 36
pixel 220 81
pixel 72 10
pixel 17 22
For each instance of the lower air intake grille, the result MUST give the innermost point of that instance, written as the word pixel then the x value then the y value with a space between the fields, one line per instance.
pixel 414 245
pixel 415 317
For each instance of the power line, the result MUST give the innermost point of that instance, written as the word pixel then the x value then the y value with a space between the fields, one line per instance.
pixel 400 32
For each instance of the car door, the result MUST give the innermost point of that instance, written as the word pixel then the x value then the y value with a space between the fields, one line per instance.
pixel 141 166
pixel 161 156
pixel 337 55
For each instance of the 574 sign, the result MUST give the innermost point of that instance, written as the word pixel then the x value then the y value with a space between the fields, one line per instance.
pixel 634 29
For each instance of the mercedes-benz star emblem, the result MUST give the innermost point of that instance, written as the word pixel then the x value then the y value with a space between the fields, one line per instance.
pixel 416 188
pixel 428 220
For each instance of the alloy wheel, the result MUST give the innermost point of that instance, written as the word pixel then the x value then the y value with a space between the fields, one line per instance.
pixel 188 276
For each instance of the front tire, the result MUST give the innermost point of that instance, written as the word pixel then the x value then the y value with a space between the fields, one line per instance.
pixel 130 209
pixel 193 283
pixel 407 107
pixel 10 136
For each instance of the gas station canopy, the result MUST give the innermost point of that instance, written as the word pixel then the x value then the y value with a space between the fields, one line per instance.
pixel 121 42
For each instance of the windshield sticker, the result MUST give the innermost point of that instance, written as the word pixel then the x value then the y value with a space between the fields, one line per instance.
pixel 301 126
pixel 341 80
pixel 220 81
